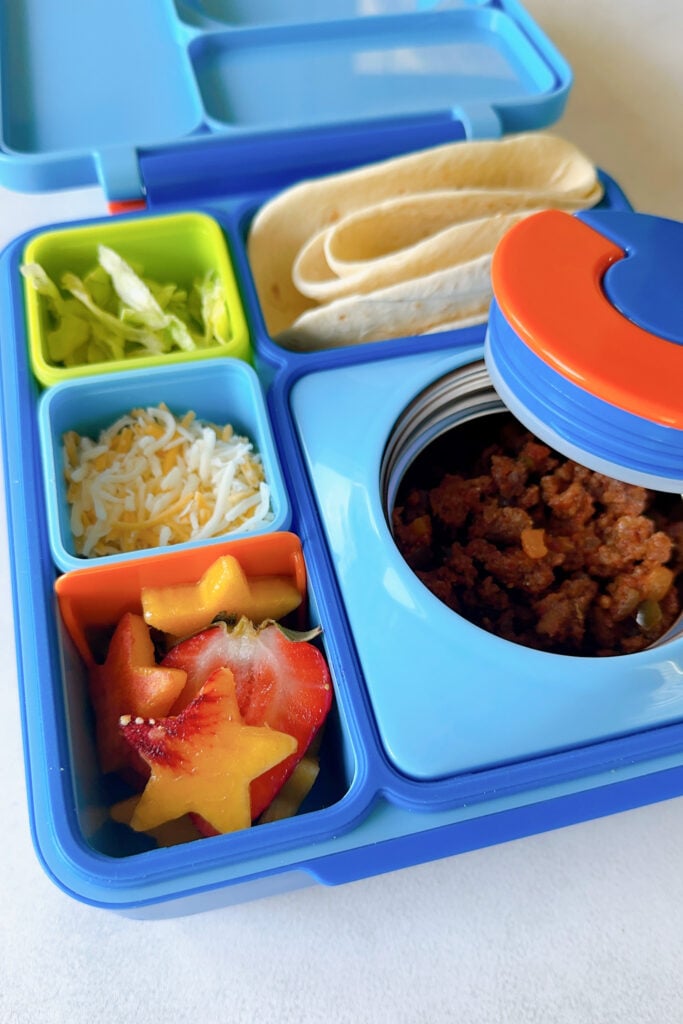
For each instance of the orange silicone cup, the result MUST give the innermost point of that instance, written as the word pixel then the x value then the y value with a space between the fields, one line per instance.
pixel 95 598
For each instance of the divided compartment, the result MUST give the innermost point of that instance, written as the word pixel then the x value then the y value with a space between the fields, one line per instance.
pixel 362 772
pixel 218 391
pixel 365 70
pixel 215 70
pixel 89 602
pixel 173 249
pixel 83 87
pixel 449 698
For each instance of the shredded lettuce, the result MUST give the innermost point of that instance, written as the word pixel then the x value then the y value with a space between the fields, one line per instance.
pixel 35 274
pixel 114 312
pixel 130 288
pixel 67 337
pixel 214 311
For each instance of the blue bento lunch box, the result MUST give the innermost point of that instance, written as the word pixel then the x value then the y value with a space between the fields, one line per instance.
pixel 442 738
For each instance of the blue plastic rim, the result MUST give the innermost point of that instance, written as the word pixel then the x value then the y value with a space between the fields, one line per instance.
pixel 571 420
pixel 220 391
pixel 250 13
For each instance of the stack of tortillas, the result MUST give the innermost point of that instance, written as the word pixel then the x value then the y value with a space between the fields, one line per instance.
pixel 403 247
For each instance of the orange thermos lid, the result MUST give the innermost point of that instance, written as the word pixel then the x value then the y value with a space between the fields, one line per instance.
pixel 585 339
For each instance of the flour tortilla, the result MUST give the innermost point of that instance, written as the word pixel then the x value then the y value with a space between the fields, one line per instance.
pixel 387 228
pixel 528 163
pixel 456 294
pixel 456 246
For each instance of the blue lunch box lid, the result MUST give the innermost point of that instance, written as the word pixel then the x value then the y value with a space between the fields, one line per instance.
pixel 585 339
pixel 100 92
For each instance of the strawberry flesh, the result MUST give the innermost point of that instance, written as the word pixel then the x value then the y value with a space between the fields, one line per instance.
pixel 129 682
pixel 282 683
pixel 203 760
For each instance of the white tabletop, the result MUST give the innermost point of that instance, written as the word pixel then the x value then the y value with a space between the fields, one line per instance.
pixel 584 924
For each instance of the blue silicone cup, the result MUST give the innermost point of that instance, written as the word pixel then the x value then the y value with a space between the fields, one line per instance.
pixel 218 391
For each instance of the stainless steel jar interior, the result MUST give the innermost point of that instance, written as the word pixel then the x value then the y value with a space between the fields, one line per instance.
pixel 464 394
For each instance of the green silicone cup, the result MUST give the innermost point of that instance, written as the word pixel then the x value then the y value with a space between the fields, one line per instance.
pixel 173 248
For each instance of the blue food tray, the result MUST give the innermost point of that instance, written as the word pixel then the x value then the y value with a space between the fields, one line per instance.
pixel 90 95
pixel 229 121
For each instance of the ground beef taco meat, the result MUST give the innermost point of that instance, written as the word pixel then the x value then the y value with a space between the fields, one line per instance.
pixel 539 550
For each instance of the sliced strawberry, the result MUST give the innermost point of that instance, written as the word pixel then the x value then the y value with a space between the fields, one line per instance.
pixel 282 683
pixel 129 682
pixel 203 760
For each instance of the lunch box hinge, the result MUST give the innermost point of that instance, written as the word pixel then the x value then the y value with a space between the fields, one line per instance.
pixel 479 120
pixel 118 172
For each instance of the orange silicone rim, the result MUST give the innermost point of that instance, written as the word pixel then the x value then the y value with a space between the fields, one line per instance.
pixel 96 597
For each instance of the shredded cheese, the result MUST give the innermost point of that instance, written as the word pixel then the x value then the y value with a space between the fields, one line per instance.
pixel 152 479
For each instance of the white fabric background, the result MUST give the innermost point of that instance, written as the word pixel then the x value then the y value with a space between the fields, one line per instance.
pixel 583 925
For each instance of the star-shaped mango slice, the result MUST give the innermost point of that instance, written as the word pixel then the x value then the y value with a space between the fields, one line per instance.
pixel 171 833
pixel 129 682
pixel 203 760
pixel 224 589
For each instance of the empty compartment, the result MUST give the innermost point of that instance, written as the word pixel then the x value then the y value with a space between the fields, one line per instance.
pixel 71 81
pixel 363 71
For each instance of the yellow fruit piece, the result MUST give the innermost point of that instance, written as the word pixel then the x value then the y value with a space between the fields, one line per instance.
pixel 294 792
pixel 223 589
pixel 203 760
pixel 171 833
